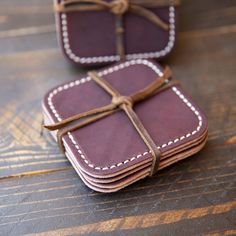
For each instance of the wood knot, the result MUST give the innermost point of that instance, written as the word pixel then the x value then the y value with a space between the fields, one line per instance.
pixel 121 100
pixel 119 7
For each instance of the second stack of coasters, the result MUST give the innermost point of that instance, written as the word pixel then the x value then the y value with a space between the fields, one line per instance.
pixel 98 32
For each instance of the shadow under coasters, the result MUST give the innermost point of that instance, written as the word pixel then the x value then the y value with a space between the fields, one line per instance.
pixel 109 153
pixel 94 32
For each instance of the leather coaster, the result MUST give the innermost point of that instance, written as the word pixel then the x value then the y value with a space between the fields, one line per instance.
pixel 109 153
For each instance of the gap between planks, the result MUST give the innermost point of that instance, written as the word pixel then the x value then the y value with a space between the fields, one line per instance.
pixel 34 30
pixel 32 173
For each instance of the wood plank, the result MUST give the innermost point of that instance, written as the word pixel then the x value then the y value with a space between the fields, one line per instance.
pixel 39 13
pixel 145 221
pixel 36 20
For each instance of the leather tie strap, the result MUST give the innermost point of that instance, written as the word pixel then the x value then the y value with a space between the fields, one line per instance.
pixel 118 102
pixel 118 8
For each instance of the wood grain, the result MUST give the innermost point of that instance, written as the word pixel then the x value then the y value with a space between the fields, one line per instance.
pixel 145 221
pixel 40 193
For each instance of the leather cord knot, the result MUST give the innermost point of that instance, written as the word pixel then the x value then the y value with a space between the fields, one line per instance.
pixel 120 100
pixel 119 7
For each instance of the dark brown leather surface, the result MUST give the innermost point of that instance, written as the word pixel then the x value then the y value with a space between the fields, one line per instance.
pixel 89 37
pixel 108 145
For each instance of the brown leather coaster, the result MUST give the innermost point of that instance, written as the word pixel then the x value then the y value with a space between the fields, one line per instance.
pixel 109 153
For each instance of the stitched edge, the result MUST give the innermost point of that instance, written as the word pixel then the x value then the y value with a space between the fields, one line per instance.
pixel 84 60
pixel 111 70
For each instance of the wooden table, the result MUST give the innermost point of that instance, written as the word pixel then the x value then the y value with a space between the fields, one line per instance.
pixel 41 194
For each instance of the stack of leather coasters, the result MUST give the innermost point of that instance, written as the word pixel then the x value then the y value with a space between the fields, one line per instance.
pixel 98 32
pixel 123 123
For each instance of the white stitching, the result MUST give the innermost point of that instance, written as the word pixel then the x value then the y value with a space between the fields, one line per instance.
pixel 83 60
pixel 111 70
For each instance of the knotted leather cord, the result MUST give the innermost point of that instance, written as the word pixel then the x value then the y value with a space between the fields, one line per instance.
pixel 119 8
pixel 118 101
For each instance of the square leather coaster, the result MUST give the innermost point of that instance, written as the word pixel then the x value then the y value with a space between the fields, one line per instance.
pixel 109 153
